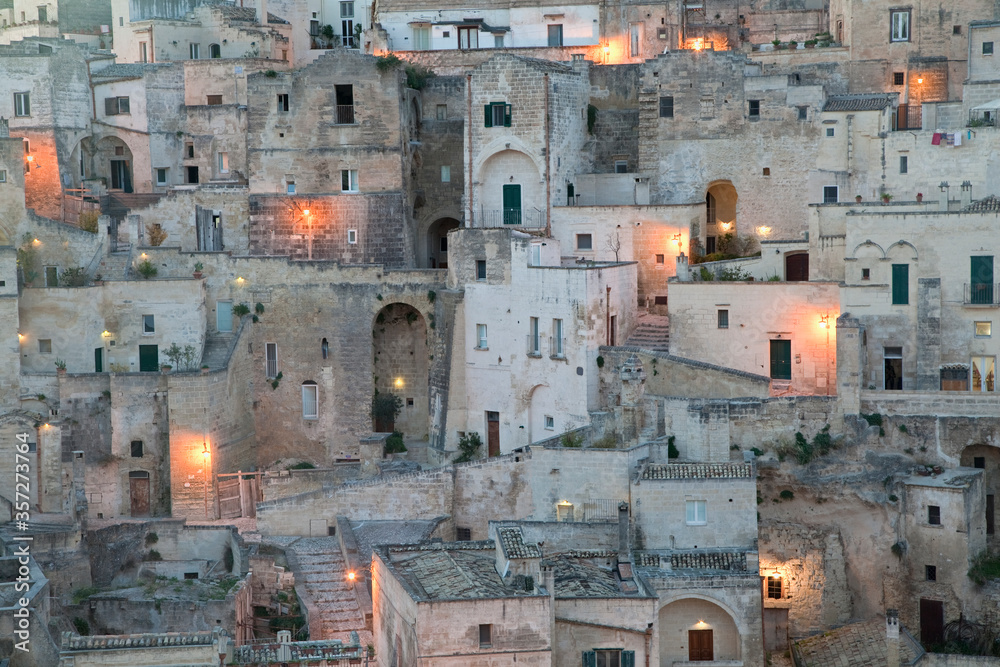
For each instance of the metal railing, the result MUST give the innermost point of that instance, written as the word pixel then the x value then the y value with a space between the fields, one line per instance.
pixel 510 217
pixel 344 114
pixel 534 345
pixel 981 294
pixel 907 117
pixel 601 510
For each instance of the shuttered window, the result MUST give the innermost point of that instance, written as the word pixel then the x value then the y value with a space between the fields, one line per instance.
pixel 900 284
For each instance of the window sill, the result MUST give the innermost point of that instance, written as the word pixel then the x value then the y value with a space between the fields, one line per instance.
pixel 311 419
pixel 481 349
pixel 696 523
pixel 535 355
pixel 557 357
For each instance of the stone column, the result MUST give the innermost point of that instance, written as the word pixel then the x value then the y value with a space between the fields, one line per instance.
pixel 850 364
pixel 50 468
pixel 892 638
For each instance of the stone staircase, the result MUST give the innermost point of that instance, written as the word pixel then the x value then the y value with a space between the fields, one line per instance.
pixel 653 333
pixel 327 594
pixel 115 266
pixel 216 349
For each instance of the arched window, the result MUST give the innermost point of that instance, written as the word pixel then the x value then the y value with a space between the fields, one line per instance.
pixel 310 400
pixel 214 51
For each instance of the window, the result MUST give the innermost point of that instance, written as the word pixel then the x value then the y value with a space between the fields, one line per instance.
pixel 352 236
pixel 536 254
pixel 830 194
pixel 557 338
pixel 44 346
pixel 695 512
pixel 723 319
pixel 324 348
pixel 480 269
pixel 987 48
pixel 659 258
pixel 310 400
pixel 148 325
pixel 214 51
pixel 754 109
pixel 189 150
pixel 161 176
pixel 463 534
pixel 774 588
pixel 143 56
pixel 900 284
pixel 22 104
pixel 497 114
pixel 555 35
pixel 900 22
pixel 550 423
pixel 930 572
pixel 271 360
pixel 213 100
pixel 485 635
pixel 290 187
pixel 984 329
pixel 981 280
pixel 608 657
pixel 497 41
pixel 481 341
pixel 829 132
pixel 348 180
pixel 584 242
pixel 282 101
pixel 51 276
pixel 445 173
pixel 903 164
pixel 666 107
pixel 766 171
pixel 136 447
pixel 893 360
pixel 468 37
pixel 955 378
pixel 956 30
pixel 866 274
pixel 347 23
pixel 195 51
pixel 934 515
pixel 121 21
pixel 533 337
pixel 3 175
pixel 191 174
pixel 621 166
pixel 442 112
pixel 803 113
pixel 983 373
pixel 898 78
pixel 223 163
pixel 421 37
pixel 115 105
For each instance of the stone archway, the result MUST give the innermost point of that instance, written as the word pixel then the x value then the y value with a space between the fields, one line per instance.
pixel 435 255
pixel 539 409
pixel 511 192
pixel 720 215
pixel 986 458
pixel 691 626
pixel 113 160
pixel 401 365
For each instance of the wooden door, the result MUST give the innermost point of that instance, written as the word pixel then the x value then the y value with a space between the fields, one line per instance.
pixel 931 622
pixel 512 204
pixel 797 267
pixel 230 506
pixel 493 433
pixel 149 358
pixel 138 493
pixel 700 645
pixel 98 359
pixel 781 359
pixel 775 629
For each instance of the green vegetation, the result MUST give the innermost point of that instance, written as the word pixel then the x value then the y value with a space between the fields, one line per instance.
pixel 571 440
pixel 672 451
pixel 153 555
pixel 241 309
pixel 301 465
pixel 88 220
pixel 146 269
pixel 874 419
pixel 81 625
pixel 786 494
pixel 81 594
pixel 600 361
pixel 276 381
pixel 985 567
pixel 468 447
pixel 394 443
pixel 431 295
pixel 27 260
pixel 609 441
pixel 385 406
pixel 151 538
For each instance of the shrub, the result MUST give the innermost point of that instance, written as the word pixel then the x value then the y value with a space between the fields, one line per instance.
pixel 301 465
pixel 259 308
pixel 387 62
pixel 156 234
pixel 81 594
pixel 899 548
pixel 571 440
pixel 241 309
pixel 81 625
pixel 468 447
pixel 153 555
pixel 609 441
pixel 146 269
pixel 431 295
pixel 271 74
pixel 874 419
pixel 385 406
pixel 985 567
pixel 706 275
pixel 74 277
pixel 786 494
pixel 152 538
pixel 88 221
pixel 394 443
pixel 417 76
pixel 600 361
pixel 757 452
pixel 672 451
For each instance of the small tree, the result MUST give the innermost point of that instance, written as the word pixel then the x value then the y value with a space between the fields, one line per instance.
pixel 156 234
pixel 468 447
pixel 613 242
pixel 385 408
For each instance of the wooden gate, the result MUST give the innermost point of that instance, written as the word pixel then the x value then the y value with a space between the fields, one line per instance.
pixel 138 492
pixel 931 622
pixel 775 629
pixel 238 494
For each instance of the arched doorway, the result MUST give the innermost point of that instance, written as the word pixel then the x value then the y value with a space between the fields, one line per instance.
pixel 720 215
pixel 401 365
pixel 511 192
pixel 114 159
pixel 987 459
pixel 437 242
pixel 694 629
pixel 541 417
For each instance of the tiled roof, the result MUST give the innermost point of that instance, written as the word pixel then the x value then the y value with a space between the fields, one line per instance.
pixel 73 642
pixel 698 471
pixel 448 571
pixel 704 560
pixel 247 14
pixel 855 645
pixel 647 560
pixel 860 102
pixel 512 541
pixel 986 204
pixel 123 71
pixel 580 578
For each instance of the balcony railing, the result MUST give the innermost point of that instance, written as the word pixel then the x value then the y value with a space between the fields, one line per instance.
pixel 907 117
pixel 344 114
pixel 510 217
pixel 534 348
pixel 982 294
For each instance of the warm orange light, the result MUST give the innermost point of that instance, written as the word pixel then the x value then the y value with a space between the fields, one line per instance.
pixel 398 382
pixel 31 158
pixel 920 80
pixel 824 321
pixel 351 576
pixel 240 280
pixel 35 242
pixel 305 212
pixel 143 255
pixel 607 49
pixel 20 336
pixel 763 230
pixel 698 45
pixel 106 334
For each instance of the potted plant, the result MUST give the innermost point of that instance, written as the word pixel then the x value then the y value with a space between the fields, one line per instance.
pixel 165 368
pixel 204 368
pixel 60 367
pixel 811 43
pixel 857 198
pixel 777 44
pixel 198 266
pixel 792 44
pixel 886 197
pixel 920 197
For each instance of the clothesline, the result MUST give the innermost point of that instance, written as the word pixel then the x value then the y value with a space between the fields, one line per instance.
pixel 954 139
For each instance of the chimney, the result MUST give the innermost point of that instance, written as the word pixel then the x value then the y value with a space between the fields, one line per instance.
pixel 892 637
pixel 966 194
pixel 262 12
pixel 683 274
pixel 624 543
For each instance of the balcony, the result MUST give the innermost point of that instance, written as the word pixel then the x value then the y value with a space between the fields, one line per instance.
pixel 344 114
pixel 981 294
pixel 510 217
pixel 907 117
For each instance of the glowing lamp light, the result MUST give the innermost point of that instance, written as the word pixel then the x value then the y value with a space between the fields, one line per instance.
pixel 144 255
pixel 204 451
pixel 105 334
pixel 726 226
pixel 351 576
pixel 240 280
pixel 920 80
pixel 698 45
pixel 36 242
pixel 824 322
pixel 565 503
pixel 20 336
pixel 677 239
pixel 764 230
pixel 701 624
pixel 607 49
pixel 305 212
pixel 398 382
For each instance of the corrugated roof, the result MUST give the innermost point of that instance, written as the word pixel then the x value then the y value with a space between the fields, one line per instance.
pixel 860 102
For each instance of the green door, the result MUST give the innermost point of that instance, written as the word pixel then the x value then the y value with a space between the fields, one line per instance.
pixel 512 204
pixel 149 359
pixel 781 360
pixel 98 359
pixel 900 284
pixel 981 281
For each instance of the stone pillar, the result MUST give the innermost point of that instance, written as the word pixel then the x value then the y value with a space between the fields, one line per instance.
pixel 892 638
pixel 50 468
pixel 850 364
pixel 633 379
pixel 371 450
pixel 928 334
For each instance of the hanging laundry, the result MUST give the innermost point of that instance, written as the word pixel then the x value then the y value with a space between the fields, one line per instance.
pixel 936 139
pixel 949 139
pixel 958 139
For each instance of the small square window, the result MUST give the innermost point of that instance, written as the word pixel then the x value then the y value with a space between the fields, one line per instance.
pixel 584 242
pixel 480 269
pixel 148 325
pixel 830 194
pixel 445 173
pixel 290 187
pixel 754 109
pixel 485 635
pixel 803 113
pixel 898 78
pixel 136 448
pixel 161 176
pixel 442 112
pixel 696 512
pixel 984 329
pixel 349 180
pixel 903 164
pixel 409 402
pixel 45 346
pixel 550 422
pixel 930 572
pixel 934 515
pixel 829 132
pixel 189 150
pixel 723 319
pixel 446 33
pixel 352 236
pixel 463 534
pixel 866 274
pixel 666 107
pixel 214 100
pixel 660 259
pixel 766 171
pixel 987 48
pixel 621 166
pixel 956 30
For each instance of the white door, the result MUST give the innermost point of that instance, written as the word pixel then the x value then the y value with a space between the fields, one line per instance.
pixel 224 316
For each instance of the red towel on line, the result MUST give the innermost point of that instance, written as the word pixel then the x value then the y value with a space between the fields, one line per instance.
pixel 936 139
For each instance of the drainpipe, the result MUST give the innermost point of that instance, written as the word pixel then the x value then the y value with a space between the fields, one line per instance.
pixel 607 318
pixel 548 166
pixel 152 47
pixel 468 89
